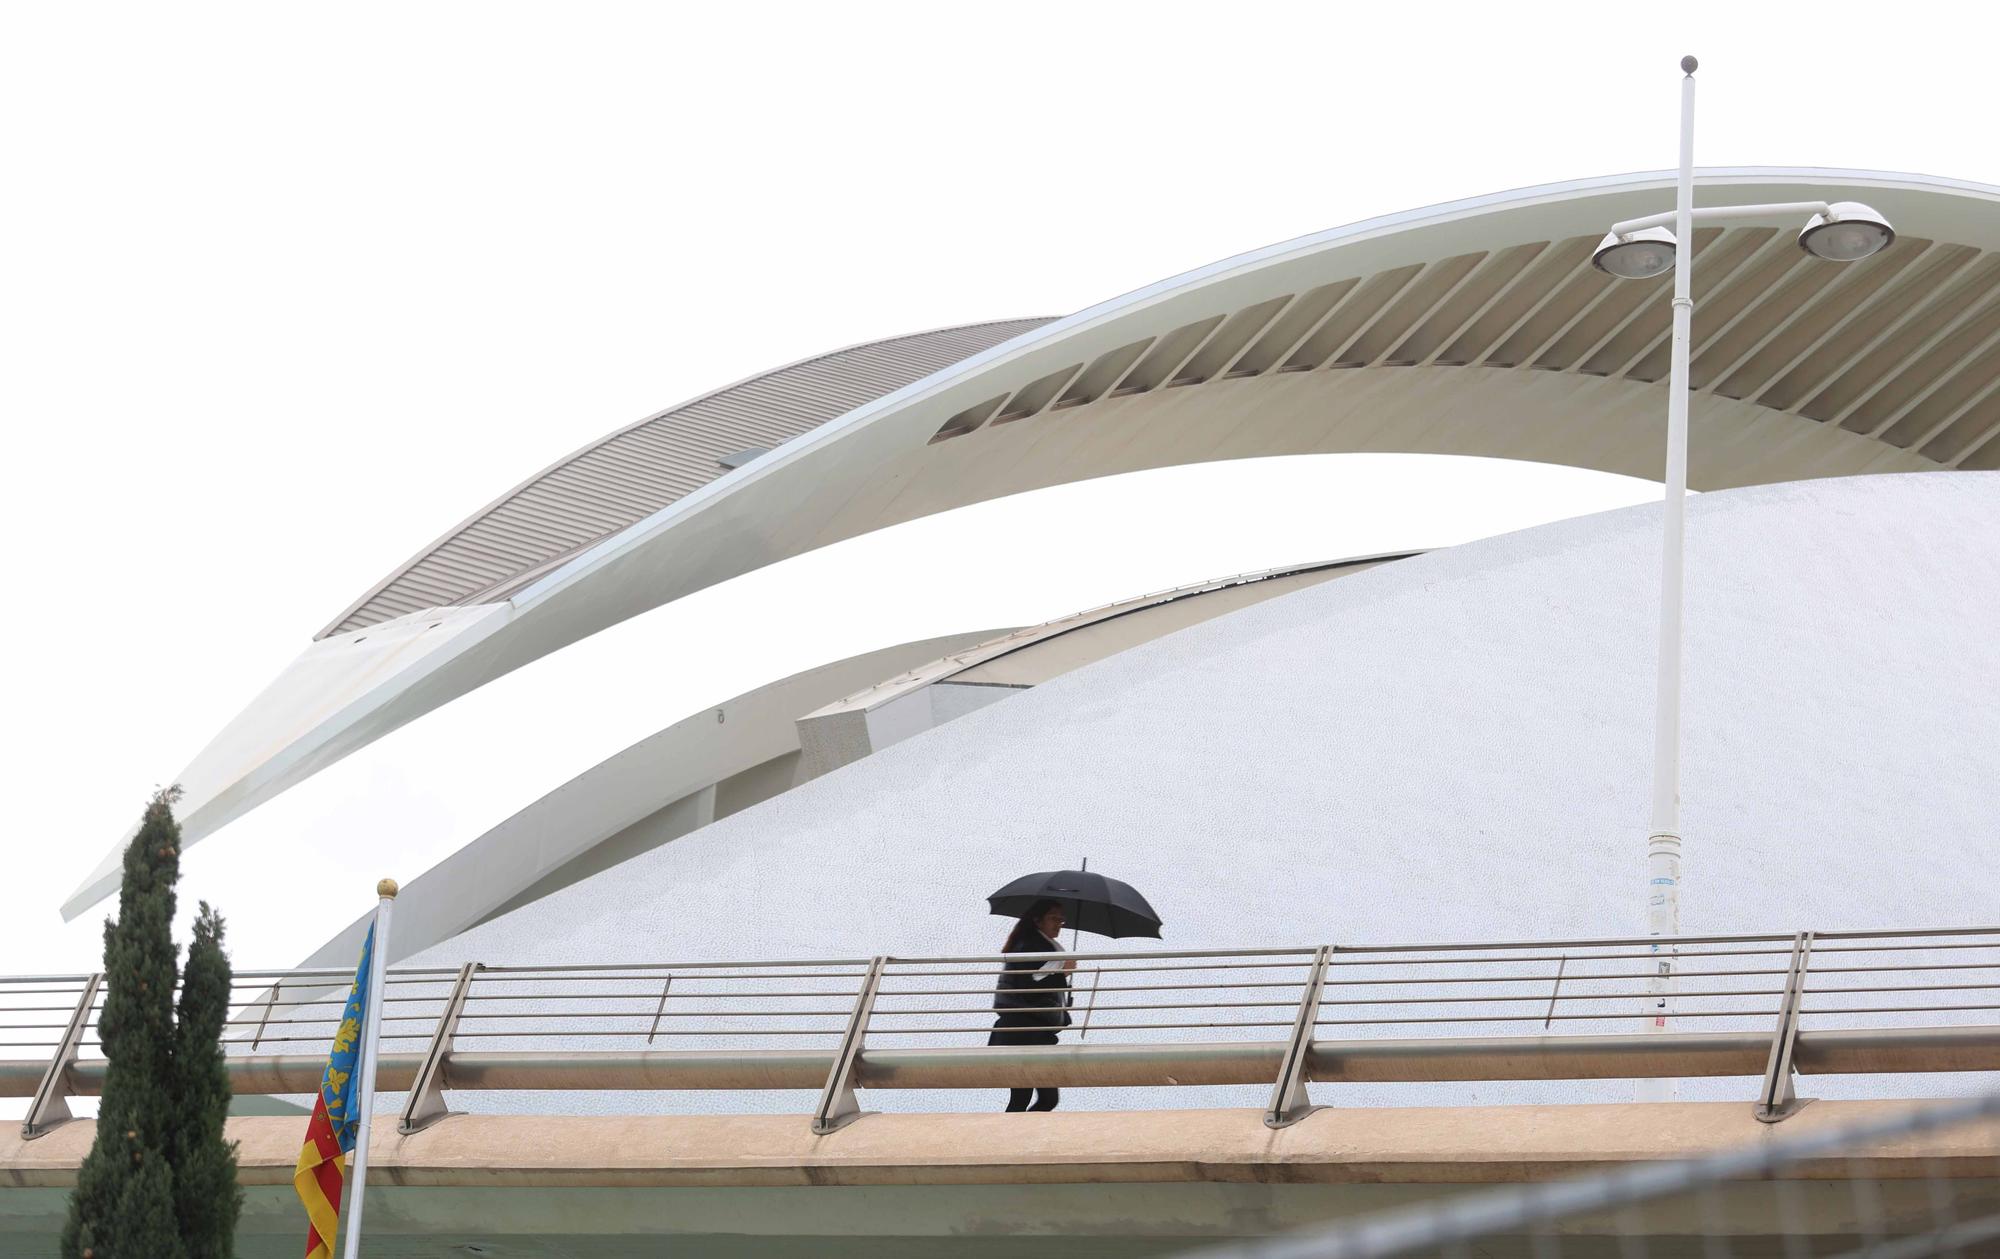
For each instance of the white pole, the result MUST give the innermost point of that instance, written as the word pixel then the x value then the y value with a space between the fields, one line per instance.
pixel 371 1028
pixel 1663 842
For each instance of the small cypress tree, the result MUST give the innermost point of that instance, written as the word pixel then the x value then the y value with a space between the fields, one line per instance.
pixel 205 1189
pixel 123 1207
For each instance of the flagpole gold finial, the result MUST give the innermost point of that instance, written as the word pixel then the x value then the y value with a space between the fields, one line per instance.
pixel 386 889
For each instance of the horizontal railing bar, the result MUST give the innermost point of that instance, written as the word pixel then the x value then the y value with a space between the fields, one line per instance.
pixel 1633 956
pixel 833 1032
pixel 1107 970
pixel 1096 955
pixel 1816 991
pixel 651 1014
pixel 494 972
pixel 1905 966
pixel 1531 1018
pixel 1897 1009
pixel 656 995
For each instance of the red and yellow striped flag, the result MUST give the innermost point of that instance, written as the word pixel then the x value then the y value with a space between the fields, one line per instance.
pixel 331 1132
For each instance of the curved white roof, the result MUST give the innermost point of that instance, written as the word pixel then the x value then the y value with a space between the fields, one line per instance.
pixel 1451 747
pixel 626 476
pixel 1476 328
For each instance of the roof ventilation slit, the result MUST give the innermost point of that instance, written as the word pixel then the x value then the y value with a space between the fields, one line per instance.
pixel 1103 372
pixel 1855 285
pixel 1291 327
pixel 1433 289
pixel 1982 453
pixel 1960 424
pixel 1602 320
pixel 1351 318
pixel 1733 301
pixel 1222 347
pixel 1907 411
pixel 1518 301
pixel 1866 327
pixel 1168 353
pixel 967 420
pixel 1031 398
pixel 1471 301
pixel 1904 342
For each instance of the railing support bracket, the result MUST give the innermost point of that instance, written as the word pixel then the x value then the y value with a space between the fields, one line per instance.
pixel 51 1104
pixel 1779 1099
pixel 1289 1102
pixel 837 1102
pixel 427 1104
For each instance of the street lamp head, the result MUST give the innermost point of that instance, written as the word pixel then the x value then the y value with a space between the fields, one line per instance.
pixel 1640 255
pixel 1849 232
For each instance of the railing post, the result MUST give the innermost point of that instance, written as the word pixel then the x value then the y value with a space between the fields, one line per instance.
pixel 51 1104
pixel 427 1090
pixel 1779 1100
pixel 1090 1006
pixel 660 1013
pixel 264 1019
pixel 837 1103
pixel 1289 1102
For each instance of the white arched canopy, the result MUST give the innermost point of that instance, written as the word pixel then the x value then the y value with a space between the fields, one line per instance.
pixel 1474 328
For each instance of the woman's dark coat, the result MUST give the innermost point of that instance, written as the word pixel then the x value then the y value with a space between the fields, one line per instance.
pixel 1033 1003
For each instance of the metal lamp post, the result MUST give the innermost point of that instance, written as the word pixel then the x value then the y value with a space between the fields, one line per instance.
pixel 1638 249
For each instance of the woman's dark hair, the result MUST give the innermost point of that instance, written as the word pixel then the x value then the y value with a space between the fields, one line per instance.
pixel 1029 926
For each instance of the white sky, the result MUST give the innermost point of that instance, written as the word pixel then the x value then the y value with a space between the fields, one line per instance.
pixel 289 292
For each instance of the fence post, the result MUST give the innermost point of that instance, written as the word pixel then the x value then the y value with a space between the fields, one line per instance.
pixel 1289 1102
pixel 427 1090
pixel 51 1104
pixel 837 1103
pixel 1779 1100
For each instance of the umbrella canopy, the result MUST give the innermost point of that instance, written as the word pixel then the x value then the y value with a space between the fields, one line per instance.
pixel 1091 902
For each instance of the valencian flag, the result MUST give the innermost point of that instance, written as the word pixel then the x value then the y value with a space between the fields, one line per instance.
pixel 336 1118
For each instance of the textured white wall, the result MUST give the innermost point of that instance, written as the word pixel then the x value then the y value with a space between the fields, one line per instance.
pixel 1455 747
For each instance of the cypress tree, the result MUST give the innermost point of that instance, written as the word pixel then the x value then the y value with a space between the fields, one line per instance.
pixel 205 1189
pixel 123 1207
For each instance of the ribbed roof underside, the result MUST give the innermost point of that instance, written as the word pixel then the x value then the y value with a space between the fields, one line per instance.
pixel 1903 347
pixel 633 473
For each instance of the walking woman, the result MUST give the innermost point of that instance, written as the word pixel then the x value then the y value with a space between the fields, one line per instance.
pixel 1032 998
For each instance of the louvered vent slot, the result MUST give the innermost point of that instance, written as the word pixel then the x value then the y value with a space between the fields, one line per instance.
pixel 1956 415
pixel 1291 327
pixel 1983 455
pixel 1729 349
pixel 1101 375
pixel 1517 301
pixel 1031 399
pixel 1232 336
pixel 1423 295
pixel 1349 318
pixel 1924 321
pixel 1859 284
pixel 1905 410
pixel 967 420
pixel 1469 302
pixel 1605 318
pixel 1167 354
pixel 1867 326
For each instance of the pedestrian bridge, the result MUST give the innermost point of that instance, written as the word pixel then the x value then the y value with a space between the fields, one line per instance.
pixel 528 1047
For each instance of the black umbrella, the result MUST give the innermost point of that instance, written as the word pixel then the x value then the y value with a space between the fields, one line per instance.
pixel 1091 902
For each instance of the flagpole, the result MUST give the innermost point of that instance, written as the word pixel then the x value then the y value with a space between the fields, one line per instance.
pixel 371 1025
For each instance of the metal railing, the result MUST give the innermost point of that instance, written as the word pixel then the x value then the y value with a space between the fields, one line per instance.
pixel 1749 1005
